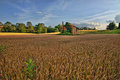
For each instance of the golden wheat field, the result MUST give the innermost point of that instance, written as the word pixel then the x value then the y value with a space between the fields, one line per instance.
pixel 10 33
pixel 58 57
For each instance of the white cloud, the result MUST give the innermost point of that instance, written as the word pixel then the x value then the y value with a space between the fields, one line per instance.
pixel 99 26
pixel 38 12
pixel 100 19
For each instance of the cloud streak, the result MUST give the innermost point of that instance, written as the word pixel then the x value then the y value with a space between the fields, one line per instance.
pixel 106 15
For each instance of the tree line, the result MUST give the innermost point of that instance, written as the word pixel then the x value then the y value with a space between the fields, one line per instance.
pixel 28 28
pixel 113 26
pixel 87 28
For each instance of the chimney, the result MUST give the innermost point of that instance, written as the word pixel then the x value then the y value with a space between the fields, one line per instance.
pixel 62 23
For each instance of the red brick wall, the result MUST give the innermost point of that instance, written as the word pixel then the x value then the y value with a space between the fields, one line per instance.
pixel 74 30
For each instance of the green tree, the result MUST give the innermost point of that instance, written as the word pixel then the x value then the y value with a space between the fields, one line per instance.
pixel 31 29
pixel 45 29
pixel 9 27
pixel 94 28
pixel 85 28
pixel 12 28
pixel 7 24
pixel 50 29
pixel 17 24
pixel 56 30
pixel 1 26
pixel 21 27
pixel 5 29
pixel 67 25
pixel 111 26
pixel 39 27
pixel 59 27
pixel 29 24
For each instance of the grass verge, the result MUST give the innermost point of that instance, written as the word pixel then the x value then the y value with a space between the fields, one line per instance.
pixel 117 31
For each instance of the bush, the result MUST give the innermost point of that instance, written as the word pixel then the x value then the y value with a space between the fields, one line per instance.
pixel 29 71
pixel 66 33
pixel 2 48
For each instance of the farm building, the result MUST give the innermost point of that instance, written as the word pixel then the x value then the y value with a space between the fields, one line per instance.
pixel 74 28
pixel 1 26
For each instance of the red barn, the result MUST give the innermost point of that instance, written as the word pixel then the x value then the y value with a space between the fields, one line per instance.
pixel 74 28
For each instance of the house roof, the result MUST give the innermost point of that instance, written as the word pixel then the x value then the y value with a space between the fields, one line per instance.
pixel 1 26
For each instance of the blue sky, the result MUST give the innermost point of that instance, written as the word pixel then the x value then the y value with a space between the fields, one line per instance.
pixel 53 12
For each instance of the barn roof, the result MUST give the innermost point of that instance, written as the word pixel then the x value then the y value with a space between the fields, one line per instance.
pixel 74 26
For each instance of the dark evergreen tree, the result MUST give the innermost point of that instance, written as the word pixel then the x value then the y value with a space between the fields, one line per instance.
pixel 111 26
pixel 119 26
